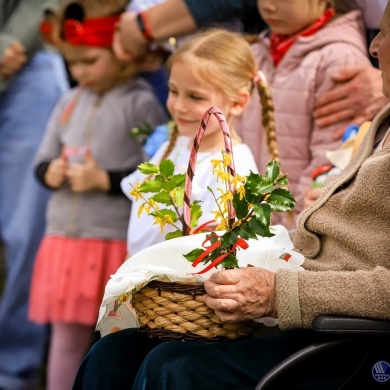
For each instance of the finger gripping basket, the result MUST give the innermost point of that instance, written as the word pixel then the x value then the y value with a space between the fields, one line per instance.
pixel 171 310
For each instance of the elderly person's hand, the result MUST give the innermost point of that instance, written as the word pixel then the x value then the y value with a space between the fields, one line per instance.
pixel 14 57
pixel 241 294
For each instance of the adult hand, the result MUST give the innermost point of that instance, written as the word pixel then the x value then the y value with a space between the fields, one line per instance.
pixel 56 172
pixel 128 41
pixel 87 176
pixel 358 98
pixel 241 294
pixel 14 57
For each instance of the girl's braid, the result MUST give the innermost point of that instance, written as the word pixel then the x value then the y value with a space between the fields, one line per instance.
pixel 172 141
pixel 268 118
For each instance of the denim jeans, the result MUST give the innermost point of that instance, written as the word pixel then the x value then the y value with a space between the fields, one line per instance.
pixel 25 107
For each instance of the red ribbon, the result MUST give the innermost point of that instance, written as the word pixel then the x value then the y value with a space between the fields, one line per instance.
pixel 239 243
pixel 97 32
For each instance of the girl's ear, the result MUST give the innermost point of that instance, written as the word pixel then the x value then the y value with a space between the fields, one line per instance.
pixel 240 103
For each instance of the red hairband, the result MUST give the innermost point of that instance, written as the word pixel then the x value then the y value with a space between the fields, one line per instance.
pixel 96 32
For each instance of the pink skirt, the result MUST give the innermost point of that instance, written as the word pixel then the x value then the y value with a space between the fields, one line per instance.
pixel 69 278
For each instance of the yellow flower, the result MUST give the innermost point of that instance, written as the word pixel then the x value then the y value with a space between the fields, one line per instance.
pixel 227 159
pixel 216 165
pixel 163 220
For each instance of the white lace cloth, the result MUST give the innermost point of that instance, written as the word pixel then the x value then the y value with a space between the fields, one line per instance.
pixel 165 261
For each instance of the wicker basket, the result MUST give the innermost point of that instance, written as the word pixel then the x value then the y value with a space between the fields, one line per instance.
pixel 171 310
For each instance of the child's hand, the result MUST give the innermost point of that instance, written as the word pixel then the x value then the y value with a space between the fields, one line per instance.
pixel 56 172
pixel 87 176
pixel 14 57
pixel 311 195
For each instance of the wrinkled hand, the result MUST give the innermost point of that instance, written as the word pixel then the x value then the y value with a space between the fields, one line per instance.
pixel 358 98
pixel 87 176
pixel 14 57
pixel 55 175
pixel 310 196
pixel 128 41
pixel 241 294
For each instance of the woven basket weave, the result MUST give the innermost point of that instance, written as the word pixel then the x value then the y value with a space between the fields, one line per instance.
pixel 171 310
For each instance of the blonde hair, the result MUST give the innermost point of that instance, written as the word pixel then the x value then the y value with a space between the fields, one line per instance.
pixel 225 59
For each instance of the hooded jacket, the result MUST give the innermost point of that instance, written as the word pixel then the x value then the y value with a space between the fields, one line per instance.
pixel 304 74
pixel 344 237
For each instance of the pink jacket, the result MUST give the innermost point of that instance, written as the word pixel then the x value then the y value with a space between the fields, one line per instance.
pixel 303 74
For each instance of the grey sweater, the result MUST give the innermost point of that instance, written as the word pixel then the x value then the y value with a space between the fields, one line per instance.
pixel 345 239
pixel 102 124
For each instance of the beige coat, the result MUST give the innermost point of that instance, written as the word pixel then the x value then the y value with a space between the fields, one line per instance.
pixel 345 237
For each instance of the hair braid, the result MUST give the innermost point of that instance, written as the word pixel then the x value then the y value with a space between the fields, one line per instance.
pixel 172 142
pixel 268 119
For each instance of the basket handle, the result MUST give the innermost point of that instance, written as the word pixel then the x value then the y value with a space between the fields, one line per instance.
pixel 192 164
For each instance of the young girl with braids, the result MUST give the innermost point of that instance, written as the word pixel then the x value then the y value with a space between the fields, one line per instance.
pixel 214 68
pixel 307 41
pixel 87 149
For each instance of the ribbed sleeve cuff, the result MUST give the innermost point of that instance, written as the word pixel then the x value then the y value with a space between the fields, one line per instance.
pixel 287 299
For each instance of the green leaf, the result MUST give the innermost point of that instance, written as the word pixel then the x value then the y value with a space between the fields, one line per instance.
pixel 164 213
pixel 260 229
pixel 167 168
pixel 229 238
pixel 168 185
pixel 281 200
pixel 272 171
pixel 162 197
pixel 256 186
pixel 194 254
pixel 179 179
pixel 150 186
pixel 179 197
pixel 148 168
pixel 246 232
pixel 240 205
pixel 175 234
pixel 230 261
pixel 262 213
pixel 282 181
pixel 196 213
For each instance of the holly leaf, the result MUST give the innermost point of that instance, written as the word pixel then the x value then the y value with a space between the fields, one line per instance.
pixel 272 171
pixel 282 181
pixel 281 200
pixel 148 168
pixel 167 168
pixel 154 185
pixel 194 254
pixel 196 213
pixel 164 213
pixel 229 238
pixel 230 261
pixel 262 213
pixel 162 197
pixel 175 234
pixel 241 206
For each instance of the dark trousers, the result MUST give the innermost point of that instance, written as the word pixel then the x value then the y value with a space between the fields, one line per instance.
pixel 130 360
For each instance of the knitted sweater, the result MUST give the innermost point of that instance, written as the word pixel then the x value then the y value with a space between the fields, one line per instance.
pixel 345 239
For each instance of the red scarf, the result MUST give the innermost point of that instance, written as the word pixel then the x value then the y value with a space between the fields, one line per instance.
pixel 281 43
